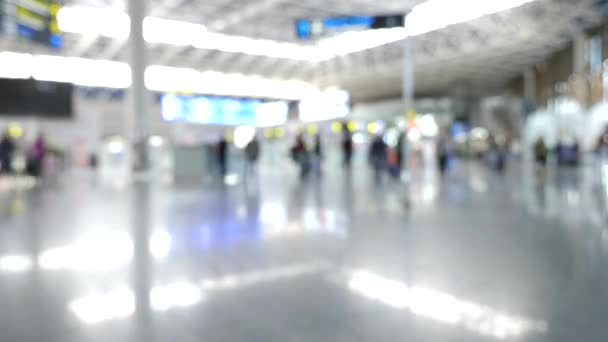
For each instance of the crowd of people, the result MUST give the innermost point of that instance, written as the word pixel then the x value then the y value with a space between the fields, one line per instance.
pixel 34 154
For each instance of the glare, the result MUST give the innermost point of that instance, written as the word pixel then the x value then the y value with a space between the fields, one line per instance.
pixel 479 133
pixel 231 179
pixel 156 141
pixel 273 214
pixel 270 114
pixel 325 105
pixel 175 295
pixel 263 276
pixel 243 135
pixel 101 307
pixel 117 75
pixel 15 263
pixel 428 16
pixel 443 307
pixel 82 71
pixel 116 147
pixel 105 22
pixel 97 252
pixel 437 14
pixel 171 79
pixel 428 126
pixel 160 244
pixel 360 138
pixel 15 65
pixel 171 32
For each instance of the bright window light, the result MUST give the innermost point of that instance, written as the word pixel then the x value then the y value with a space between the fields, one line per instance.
pixel 443 307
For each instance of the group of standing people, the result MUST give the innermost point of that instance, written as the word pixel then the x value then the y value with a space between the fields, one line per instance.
pixel 35 155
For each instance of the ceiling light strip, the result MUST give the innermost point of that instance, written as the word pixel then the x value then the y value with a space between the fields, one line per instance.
pixel 117 75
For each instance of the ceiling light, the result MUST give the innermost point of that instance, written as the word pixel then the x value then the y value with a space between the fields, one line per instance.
pixel 110 74
pixel 94 21
pixel 171 32
pixel 15 65
pixel 437 14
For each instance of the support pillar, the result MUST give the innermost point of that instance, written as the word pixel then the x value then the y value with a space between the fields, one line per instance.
pixel 138 125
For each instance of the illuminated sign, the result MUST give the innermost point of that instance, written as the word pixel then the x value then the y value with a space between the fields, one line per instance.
pixel 35 20
pixel 223 111
pixel 307 29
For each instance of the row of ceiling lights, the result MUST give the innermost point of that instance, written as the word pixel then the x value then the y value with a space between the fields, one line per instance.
pixel 428 16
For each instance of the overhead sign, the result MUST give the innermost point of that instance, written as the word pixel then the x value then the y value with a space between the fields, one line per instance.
pixel 35 20
pixel 223 111
pixel 307 29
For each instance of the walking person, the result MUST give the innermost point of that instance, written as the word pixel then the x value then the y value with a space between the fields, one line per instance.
pixel 347 146
pixel 252 154
pixel 378 157
pixel 222 155
pixel 37 156
pixel 299 154
pixel 7 152
pixel 318 154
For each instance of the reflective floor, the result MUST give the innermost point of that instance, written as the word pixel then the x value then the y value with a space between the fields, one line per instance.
pixel 477 257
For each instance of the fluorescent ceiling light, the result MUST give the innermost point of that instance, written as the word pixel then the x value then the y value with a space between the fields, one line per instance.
pixel 172 32
pixel 437 14
pixel 82 71
pixel 171 79
pixel 117 75
pixel 426 17
pixel 105 22
pixel 15 65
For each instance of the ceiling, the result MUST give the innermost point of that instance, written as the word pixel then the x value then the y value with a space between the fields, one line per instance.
pixel 484 53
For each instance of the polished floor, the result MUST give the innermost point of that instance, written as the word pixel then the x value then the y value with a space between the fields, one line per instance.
pixel 477 257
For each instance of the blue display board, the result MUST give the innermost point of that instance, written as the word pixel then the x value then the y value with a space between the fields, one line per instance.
pixel 307 29
pixel 223 111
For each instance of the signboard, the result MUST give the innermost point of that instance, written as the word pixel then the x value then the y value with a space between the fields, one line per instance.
pixel 35 20
pixel 307 29
pixel 223 111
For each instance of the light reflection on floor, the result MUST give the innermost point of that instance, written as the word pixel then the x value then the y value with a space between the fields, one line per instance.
pixel 486 256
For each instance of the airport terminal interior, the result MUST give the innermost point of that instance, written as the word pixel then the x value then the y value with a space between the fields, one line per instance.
pixel 303 170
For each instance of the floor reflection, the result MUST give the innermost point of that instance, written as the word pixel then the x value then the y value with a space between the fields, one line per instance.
pixel 490 255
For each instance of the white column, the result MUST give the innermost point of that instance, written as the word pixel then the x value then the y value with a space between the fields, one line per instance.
pixel 138 123
pixel 408 75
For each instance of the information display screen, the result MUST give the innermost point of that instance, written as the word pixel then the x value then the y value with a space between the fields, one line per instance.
pixel 20 97
pixel 35 20
pixel 307 29
pixel 223 111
